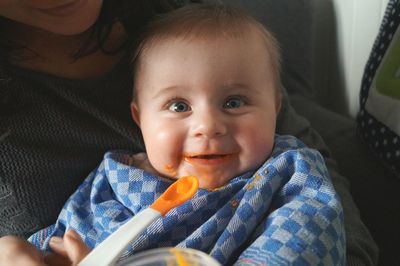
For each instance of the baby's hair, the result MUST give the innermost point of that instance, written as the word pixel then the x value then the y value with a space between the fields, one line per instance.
pixel 204 21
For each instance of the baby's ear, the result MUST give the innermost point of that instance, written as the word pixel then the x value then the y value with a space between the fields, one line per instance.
pixel 135 112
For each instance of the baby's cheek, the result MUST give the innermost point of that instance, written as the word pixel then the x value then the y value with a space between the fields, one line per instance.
pixel 265 152
pixel 164 151
pixel 170 169
pixel 258 152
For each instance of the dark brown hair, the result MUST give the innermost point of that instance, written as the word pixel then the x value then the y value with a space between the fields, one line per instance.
pixel 133 14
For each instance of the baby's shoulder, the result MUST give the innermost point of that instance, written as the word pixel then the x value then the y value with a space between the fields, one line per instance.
pixel 127 158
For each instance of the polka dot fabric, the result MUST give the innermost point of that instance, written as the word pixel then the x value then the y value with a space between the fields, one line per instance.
pixel 383 141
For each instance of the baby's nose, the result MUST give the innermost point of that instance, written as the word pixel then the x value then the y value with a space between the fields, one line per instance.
pixel 209 125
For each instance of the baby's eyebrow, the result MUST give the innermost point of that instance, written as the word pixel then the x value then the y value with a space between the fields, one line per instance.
pixel 167 91
pixel 240 87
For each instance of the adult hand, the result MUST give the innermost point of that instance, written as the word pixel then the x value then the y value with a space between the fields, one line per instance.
pixel 69 250
pixel 17 251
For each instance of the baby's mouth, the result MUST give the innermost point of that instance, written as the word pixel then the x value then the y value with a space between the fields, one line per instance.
pixel 207 158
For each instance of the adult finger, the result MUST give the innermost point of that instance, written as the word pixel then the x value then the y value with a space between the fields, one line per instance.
pixel 57 245
pixel 75 247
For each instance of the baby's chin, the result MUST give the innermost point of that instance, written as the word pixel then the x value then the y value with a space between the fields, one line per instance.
pixel 208 183
pixel 212 183
pixel 209 180
pixel 209 177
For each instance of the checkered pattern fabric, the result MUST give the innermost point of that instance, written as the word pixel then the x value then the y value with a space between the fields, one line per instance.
pixel 285 213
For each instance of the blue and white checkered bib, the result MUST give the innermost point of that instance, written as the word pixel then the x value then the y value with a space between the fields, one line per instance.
pixel 286 213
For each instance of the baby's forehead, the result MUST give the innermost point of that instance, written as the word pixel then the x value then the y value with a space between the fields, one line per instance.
pixel 207 33
pixel 244 43
pixel 216 61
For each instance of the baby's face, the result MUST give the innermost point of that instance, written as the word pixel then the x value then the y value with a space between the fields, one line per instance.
pixel 207 107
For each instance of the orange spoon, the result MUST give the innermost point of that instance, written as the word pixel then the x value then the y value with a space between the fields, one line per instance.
pixel 108 252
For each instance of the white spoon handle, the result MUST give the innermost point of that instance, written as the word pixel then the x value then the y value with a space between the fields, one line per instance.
pixel 108 252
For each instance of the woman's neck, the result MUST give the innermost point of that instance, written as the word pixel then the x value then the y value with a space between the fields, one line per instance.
pixel 54 54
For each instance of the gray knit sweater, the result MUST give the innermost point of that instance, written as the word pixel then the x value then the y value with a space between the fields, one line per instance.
pixel 53 132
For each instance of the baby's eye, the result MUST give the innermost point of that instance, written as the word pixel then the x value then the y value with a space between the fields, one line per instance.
pixel 179 107
pixel 233 103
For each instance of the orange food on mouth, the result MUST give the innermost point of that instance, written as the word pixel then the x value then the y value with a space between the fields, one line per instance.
pixel 208 158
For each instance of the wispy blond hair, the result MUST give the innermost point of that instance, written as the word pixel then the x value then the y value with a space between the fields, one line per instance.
pixel 205 21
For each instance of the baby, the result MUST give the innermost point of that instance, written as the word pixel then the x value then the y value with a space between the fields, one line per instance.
pixel 207 95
